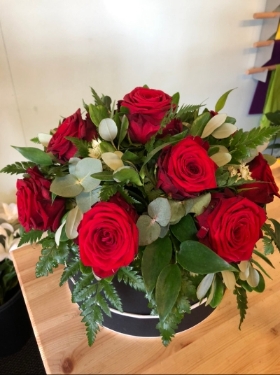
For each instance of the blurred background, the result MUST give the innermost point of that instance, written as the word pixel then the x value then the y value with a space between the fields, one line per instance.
pixel 52 52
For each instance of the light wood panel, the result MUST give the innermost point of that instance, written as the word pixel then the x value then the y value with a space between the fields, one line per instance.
pixel 215 346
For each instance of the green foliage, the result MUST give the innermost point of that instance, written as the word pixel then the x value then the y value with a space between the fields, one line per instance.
pixel 32 236
pixel 51 256
pixel 272 236
pixel 222 101
pixel 18 167
pixel 81 145
pixel 198 258
pixel 70 270
pixel 129 276
pixel 35 155
pixel 241 297
pixel 243 141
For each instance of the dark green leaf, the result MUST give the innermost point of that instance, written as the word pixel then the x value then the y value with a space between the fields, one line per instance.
pixel 103 176
pixel 35 155
pixel 185 229
pixel 198 258
pixel 199 124
pixel 219 290
pixel 241 297
pixel 156 256
pixel 167 289
pixel 32 236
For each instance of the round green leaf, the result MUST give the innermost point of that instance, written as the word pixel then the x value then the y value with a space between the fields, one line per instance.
pixel 66 186
pixel 177 211
pixel 198 258
pixel 156 256
pixel 85 200
pixel 167 289
pixel 83 171
pixel 149 230
pixel 159 210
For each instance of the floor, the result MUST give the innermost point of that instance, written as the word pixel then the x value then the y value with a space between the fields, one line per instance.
pixel 26 361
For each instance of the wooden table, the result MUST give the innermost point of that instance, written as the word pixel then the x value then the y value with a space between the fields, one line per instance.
pixel 214 346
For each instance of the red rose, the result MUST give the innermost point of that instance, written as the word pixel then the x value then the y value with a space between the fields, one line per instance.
pixel 174 127
pixel 35 207
pixel 184 170
pixel 121 202
pixel 260 192
pixel 108 238
pixel 231 226
pixel 147 107
pixel 73 126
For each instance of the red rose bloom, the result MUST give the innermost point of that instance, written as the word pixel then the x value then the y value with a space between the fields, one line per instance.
pixel 260 192
pixel 231 226
pixel 184 170
pixel 108 238
pixel 174 127
pixel 147 107
pixel 120 201
pixel 35 207
pixel 73 126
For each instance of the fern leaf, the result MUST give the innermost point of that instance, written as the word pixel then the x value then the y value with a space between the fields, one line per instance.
pixel 92 323
pixel 84 293
pixel 103 304
pixel 81 145
pixel 129 276
pixel 18 167
pixel 30 237
pixel 112 295
pixel 107 191
pixel 97 99
pixel 242 306
pixel 45 265
pixel 84 281
pixel 69 271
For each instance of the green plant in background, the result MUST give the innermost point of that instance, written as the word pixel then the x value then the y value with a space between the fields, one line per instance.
pixel 9 238
pixel 274 118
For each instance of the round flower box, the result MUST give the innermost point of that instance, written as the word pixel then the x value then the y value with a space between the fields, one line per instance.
pixel 135 320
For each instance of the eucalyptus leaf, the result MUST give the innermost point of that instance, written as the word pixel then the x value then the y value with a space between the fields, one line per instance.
pixel 86 200
pixel 198 258
pixel 72 221
pixel 108 129
pixel 66 186
pixel 149 230
pixel 72 164
pixel 200 203
pixel 159 210
pixel 167 289
pixel 156 256
pixel 177 211
pixel 35 155
pixel 83 171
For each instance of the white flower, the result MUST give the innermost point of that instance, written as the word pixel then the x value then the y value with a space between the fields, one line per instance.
pixel 8 231
pixel 9 213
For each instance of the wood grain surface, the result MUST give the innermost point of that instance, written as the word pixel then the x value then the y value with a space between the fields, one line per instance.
pixel 215 346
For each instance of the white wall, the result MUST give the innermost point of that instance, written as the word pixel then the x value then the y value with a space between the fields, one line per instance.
pixel 52 51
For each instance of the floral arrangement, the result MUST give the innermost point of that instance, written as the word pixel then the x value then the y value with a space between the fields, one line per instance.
pixel 9 239
pixel 167 198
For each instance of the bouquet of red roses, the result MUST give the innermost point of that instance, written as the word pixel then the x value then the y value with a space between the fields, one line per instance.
pixel 169 199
